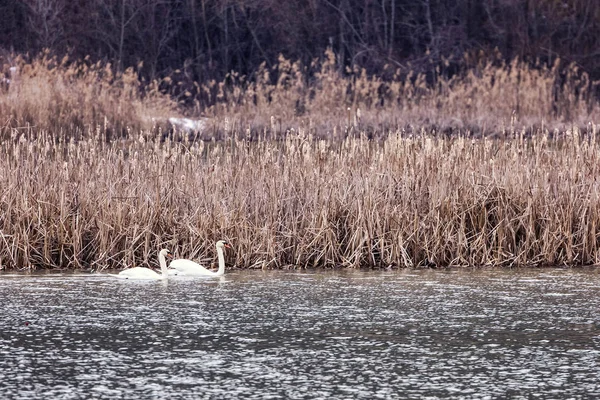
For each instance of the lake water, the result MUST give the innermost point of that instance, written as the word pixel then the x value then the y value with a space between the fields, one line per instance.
pixel 284 335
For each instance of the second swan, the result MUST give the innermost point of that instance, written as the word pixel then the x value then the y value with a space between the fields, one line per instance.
pixel 191 268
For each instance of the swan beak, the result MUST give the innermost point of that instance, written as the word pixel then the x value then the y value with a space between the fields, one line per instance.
pixel 227 246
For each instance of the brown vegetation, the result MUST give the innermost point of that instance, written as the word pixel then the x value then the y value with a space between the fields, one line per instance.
pixel 54 95
pixel 485 100
pixel 325 193
pixel 75 97
pixel 301 202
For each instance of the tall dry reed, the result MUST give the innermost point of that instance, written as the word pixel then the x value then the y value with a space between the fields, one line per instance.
pixel 405 201
pixel 62 95
pixel 486 98
pixel 525 195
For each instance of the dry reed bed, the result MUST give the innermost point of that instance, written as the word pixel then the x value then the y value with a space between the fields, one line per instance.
pixel 485 98
pixel 63 95
pixel 404 201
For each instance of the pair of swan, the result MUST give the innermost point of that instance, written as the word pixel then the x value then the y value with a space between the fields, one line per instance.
pixel 181 266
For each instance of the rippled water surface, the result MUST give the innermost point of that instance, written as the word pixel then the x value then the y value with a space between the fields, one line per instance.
pixel 358 335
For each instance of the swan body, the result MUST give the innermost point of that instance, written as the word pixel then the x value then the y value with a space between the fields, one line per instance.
pixel 146 273
pixel 191 268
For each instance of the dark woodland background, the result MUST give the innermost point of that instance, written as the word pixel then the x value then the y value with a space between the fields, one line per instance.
pixel 206 39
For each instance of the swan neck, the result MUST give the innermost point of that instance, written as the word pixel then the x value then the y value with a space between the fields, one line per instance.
pixel 221 257
pixel 163 266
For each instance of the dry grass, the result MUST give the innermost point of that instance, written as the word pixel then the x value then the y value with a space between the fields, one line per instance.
pixel 302 202
pixel 68 97
pixel 489 97
pixel 411 197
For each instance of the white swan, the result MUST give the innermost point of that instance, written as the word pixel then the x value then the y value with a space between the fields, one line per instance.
pixel 191 268
pixel 147 273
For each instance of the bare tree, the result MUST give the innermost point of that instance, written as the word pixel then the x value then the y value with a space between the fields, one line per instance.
pixel 112 25
pixel 210 38
pixel 154 25
pixel 45 20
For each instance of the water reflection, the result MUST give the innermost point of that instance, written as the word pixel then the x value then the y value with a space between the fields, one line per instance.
pixel 351 334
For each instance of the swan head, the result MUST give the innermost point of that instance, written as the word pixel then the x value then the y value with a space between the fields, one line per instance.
pixel 223 243
pixel 166 253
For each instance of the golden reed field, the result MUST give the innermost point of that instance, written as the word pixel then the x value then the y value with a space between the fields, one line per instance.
pixel 497 166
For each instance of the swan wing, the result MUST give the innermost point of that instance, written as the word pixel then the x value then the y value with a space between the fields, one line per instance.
pixel 189 267
pixel 139 273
